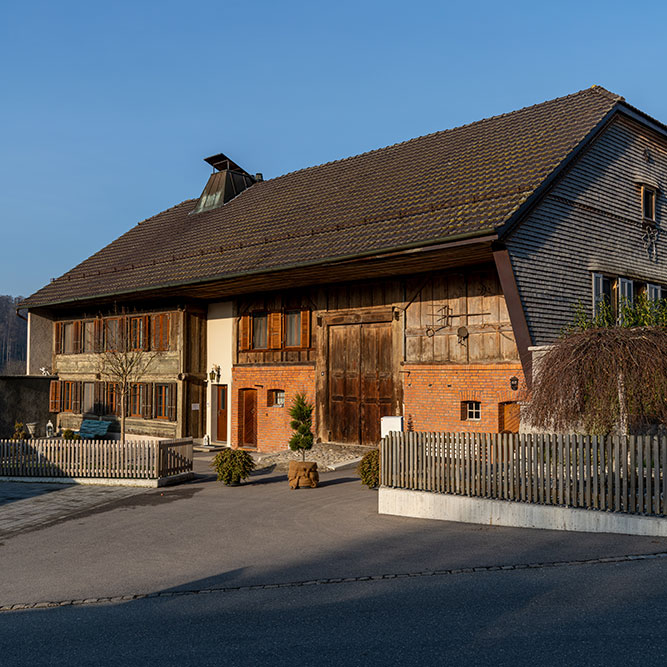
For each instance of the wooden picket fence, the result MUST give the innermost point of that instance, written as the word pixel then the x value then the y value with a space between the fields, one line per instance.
pixel 620 474
pixel 142 459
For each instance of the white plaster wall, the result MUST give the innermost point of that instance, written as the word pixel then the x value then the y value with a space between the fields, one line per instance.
pixel 219 341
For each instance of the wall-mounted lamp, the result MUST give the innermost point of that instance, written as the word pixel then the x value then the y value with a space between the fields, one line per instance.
pixel 214 375
pixel 514 383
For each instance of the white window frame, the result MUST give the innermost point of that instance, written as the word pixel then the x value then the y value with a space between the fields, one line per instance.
pixel 654 292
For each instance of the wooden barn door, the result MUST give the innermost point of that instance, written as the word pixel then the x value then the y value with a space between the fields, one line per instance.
pixel 360 381
pixel 509 418
pixel 248 418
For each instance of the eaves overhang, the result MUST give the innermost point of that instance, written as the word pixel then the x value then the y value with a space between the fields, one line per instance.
pixel 401 259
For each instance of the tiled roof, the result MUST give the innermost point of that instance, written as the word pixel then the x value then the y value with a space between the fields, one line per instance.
pixel 456 182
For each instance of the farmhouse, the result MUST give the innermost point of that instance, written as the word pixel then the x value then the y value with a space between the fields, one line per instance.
pixel 413 280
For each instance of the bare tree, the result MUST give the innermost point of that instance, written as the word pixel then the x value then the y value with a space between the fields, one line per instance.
pixel 123 366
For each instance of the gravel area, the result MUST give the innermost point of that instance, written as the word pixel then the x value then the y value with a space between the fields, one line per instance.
pixel 327 455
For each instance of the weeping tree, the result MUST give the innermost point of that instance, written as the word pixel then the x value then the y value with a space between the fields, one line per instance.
pixel 605 374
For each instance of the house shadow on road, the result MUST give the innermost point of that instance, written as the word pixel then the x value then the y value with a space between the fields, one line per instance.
pixel 12 491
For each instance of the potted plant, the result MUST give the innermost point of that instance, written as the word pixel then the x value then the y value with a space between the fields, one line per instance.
pixel 233 466
pixel 302 473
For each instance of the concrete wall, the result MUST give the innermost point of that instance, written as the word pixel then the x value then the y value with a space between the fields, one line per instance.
pixel 446 507
pixel 219 347
pixel 26 399
pixel 40 344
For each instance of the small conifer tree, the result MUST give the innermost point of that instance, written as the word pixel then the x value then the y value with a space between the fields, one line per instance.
pixel 301 413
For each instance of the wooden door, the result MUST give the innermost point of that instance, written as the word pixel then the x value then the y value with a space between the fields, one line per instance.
pixel 376 380
pixel 248 418
pixel 360 381
pixel 195 408
pixel 509 418
pixel 221 411
pixel 344 381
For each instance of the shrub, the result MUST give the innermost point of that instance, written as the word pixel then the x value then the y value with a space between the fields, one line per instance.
pixel 369 469
pixel 20 431
pixel 68 434
pixel 301 413
pixel 232 465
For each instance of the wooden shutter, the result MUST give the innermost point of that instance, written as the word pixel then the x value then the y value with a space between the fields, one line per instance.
pixel 145 340
pixel 59 337
pixel 244 332
pixel 98 336
pixel 172 391
pixel 75 400
pixel 147 401
pixel 54 396
pixel 275 334
pixel 305 328
pixel 98 397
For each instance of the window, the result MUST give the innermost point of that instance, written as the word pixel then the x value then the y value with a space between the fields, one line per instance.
pixel 112 337
pixel 71 396
pixel 137 399
pixel 274 330
pixel 648 203
pixel 88 397
pixel 162 401
pixel 138 326
pixel 471 410
pixel 68 338
pixel 259 331
pixel 601 293
pixel 160 332
pixel 293 328
pixel 654 292
pixel 626 292
pixel 89 336
pixel 111 398
pixel 276 398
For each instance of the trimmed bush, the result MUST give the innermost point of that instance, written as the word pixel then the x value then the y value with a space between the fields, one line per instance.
pixel 233 465
pixel 369 469
pixel 20 431
pixel 301 413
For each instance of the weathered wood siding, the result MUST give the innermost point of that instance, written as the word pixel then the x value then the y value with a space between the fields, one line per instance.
pixel 430 307
pixel 591 221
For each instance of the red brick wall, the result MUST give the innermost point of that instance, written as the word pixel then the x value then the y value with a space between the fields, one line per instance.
pixel 273 429
pixel 433 394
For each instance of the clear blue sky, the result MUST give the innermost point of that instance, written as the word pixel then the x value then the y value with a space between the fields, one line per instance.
pixel 107 109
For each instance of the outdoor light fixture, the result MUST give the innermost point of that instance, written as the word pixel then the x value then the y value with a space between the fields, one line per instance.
pixel 514 383
pixel 214 374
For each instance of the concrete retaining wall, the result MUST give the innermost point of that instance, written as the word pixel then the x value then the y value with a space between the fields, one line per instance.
pixel 427 505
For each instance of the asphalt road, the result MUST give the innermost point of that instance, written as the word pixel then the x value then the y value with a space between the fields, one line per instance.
pixel 255 547
pixel 605 614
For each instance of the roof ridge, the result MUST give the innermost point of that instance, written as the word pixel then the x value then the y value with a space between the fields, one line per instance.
pixel 595 88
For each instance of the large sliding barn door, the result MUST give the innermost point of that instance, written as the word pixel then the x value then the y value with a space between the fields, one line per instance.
pixel 360 381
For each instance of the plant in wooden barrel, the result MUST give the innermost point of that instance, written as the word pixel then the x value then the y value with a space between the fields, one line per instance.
pixel 233 466
pixel 369 469
pixel 302 473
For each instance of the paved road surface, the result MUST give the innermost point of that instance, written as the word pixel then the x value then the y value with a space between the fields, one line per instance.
pixel 203 536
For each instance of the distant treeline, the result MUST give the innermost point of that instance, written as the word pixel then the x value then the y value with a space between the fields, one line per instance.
pixel 13 337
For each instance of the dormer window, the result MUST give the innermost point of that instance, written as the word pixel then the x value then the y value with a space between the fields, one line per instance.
pixel 648 203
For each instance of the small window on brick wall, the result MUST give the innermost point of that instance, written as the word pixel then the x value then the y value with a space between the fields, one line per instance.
pixel 471 410
pixel 276 398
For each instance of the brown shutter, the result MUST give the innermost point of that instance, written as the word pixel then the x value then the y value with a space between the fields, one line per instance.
pixel 145 339
pixel 464 410
pixel 98 398
pixel 305 328
pixel 171 324
pixel 275 335
pixel 244 332
pixel 98 335
pixel 54 396
pixel 76 397
pixel 147 401
pixel 172 391
pixel 59 337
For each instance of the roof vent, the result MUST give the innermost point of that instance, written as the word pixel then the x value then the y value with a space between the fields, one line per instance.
pixel 224 184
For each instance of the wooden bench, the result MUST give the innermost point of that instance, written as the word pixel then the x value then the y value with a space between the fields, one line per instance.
pixel 93 429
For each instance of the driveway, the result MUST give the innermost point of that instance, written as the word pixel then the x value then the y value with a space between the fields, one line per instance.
pixel 250 566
